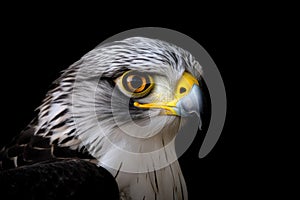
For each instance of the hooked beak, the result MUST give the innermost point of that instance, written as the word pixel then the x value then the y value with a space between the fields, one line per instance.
pixel 187 99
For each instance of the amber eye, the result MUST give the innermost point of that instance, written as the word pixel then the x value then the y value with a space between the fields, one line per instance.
pixel 136 84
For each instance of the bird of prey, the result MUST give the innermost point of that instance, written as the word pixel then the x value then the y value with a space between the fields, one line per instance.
pixel 120 107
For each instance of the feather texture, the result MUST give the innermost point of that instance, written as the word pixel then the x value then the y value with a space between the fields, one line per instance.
pixel 85 116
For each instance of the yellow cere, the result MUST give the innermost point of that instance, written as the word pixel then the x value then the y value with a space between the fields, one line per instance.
pixel 183 88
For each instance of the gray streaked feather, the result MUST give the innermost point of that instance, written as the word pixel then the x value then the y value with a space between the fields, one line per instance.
pixel 77 115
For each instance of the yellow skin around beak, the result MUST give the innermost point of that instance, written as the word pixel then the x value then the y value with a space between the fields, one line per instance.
pixel 184 88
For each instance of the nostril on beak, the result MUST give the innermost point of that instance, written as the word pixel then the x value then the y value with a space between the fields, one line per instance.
pixel 182 90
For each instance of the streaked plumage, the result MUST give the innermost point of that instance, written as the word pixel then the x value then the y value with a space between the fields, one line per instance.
pixel 86 116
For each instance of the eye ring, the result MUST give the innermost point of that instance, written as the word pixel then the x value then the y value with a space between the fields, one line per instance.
pixel 136 84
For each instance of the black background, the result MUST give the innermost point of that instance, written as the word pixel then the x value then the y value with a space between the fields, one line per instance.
pixel 37 46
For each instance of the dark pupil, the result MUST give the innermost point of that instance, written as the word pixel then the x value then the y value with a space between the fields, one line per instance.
pixel 136 82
